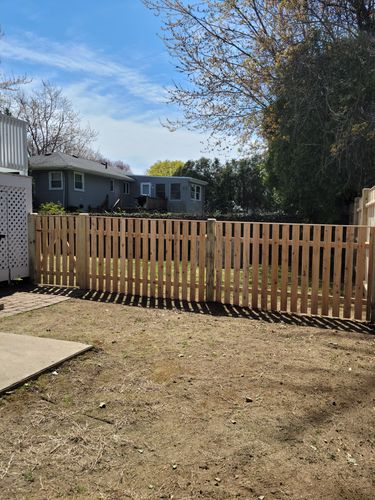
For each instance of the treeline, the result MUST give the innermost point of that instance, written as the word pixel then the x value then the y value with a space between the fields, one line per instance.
pixel 235 186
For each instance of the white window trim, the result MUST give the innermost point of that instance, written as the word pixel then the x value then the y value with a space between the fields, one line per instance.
pixel 200 192
pixel 111 185
pixel 74 181
pixel 149 186
pixel 50 181
pixel 170 192
pixel 126 188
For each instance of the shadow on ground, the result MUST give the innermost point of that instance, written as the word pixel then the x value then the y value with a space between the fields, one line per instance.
pixel 213 309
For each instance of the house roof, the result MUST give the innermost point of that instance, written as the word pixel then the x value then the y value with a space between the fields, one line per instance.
pixel 159 177
pixel 63 161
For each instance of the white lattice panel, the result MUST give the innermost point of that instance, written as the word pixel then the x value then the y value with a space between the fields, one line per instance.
pixel 4 262
pixel 17 232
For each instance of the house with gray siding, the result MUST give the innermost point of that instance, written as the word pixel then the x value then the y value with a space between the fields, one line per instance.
pixel 173 194
pixel 77 183
pixel 80 184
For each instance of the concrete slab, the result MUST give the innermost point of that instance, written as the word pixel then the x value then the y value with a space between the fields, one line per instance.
pixel 23 357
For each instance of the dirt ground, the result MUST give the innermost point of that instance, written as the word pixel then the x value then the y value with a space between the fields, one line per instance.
pixel 181 405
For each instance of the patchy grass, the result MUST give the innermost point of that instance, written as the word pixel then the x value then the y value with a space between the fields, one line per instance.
pixel 182 405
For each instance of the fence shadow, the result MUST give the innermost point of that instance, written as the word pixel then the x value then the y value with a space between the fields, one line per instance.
pixel 213 309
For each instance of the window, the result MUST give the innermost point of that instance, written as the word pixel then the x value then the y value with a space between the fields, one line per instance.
pixel 160 191
pixel 79 181
pixel 111 185
pixel 196 192
pixel 55 180
pixel 175 191
pixel 146 188
pixel 125 188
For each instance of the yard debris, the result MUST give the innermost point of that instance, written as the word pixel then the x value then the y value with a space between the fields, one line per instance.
pixel 351 460
pixel 333 344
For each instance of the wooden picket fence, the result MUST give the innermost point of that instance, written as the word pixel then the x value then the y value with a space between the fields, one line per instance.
pixel 298 268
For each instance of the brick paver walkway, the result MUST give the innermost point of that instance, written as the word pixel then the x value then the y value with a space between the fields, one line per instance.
pixel 20 302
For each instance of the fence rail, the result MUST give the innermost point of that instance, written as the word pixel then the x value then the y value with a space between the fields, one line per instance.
pixel 314 269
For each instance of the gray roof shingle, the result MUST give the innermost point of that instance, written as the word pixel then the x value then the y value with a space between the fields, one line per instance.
pixel 63 161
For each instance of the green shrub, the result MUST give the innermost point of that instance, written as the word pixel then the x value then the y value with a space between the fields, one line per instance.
pixel 51 208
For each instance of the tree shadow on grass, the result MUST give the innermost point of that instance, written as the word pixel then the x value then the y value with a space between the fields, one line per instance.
pixel 209 308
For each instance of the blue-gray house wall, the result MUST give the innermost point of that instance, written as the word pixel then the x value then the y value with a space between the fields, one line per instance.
pixel 94 196
pixel 97 193
pixel 184 205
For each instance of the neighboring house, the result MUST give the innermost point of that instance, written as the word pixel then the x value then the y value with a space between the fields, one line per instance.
pixel 88 185
pixel 15 199
pixel 174 194
pixel 77 183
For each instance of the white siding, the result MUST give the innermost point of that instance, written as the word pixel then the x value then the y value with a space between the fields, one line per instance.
pixel 13 149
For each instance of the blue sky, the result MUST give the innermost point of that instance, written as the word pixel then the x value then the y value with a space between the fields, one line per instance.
pixel 109 60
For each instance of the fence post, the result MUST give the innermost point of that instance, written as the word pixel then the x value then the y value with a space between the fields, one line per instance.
pixel 210 260
pixel 82 251
pixel 32 250
pixel 364 213
pixel 370 310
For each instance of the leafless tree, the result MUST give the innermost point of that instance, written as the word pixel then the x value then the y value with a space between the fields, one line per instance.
pixel 9 83
pixel 52 123
pixel 97 156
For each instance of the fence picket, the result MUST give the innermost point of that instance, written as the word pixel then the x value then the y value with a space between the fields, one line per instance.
pixel 130 253
pixel 255 267
pixel 153 258
pixel 295 266
pixel 337 265
pixel 284 269
pixel 275 228
pixel 161 241
pixel 202 261
pixel 245 264
pixel 265 261
pixel 193 260
pixel 184 260
pixel 123 287
pixel 115 255
pixel 137 257
pixel 168 257
pixel 236 263
pixel 315 270
pixel 145 238
pixel 326 269
pixel 176 260
pixel 305 268
pixel 360 272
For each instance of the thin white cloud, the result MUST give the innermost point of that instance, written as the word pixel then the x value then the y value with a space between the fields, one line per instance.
pixel 119 101
pixel 78 58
